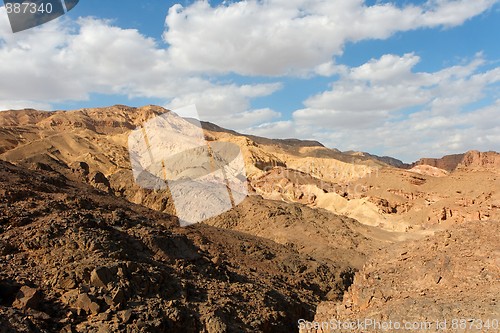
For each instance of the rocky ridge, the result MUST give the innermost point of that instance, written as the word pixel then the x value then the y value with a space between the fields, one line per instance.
pixel 471 160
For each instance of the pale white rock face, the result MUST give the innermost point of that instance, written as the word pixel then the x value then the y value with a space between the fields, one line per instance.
pixel 170 153
pixel 429 171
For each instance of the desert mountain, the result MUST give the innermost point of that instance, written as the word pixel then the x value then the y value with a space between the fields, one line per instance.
pixel 75 258
pixel 356 185
pixel 385 159
pixel 314 216
pixel 84 258
pixel 471 160
pixel 91 145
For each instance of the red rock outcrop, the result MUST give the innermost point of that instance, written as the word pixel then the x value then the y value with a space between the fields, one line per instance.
pixel 472 160
pixel 453 276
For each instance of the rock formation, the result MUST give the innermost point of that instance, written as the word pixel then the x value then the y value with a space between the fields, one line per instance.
pixel 84 248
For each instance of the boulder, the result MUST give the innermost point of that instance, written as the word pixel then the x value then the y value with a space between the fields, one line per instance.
pixel 84 303
pixel 27 298
pixel 100 277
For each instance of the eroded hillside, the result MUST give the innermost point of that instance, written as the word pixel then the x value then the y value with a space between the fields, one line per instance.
pixel 75 259
pixel 451 278
pixel 84 248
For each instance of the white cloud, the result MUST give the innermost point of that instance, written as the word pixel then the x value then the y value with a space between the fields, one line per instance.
pixel 388 84
pixel 384 106
pixel 67 61
pixel 18 105
pixel 426 133
pixel 274 130
pixel 64 60
pixel 332 119
pixel 388 68
pixel 329 68
pixel 229 105
pixel 279 37
pixel 379 86
pixel 454 12
pixel 240 121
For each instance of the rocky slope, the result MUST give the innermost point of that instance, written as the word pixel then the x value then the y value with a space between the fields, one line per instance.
pixel 385 159
pixel 341 239
pixel 76 259
pixel 81 251
pixel 428 170
pixel 417 201
pixel 79 258
pixel 452 275
pixel 401 200
pixel 90 145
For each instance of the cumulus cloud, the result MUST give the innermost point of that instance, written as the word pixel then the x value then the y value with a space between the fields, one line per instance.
pixel 280 37
pixel 383 105
pixel 389 84
pixel 20 104
pixel 275 130
pixel 68 61
pixel 229 105
pixel 426 133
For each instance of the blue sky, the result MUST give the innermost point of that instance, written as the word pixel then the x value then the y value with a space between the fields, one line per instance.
pixel 401 78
